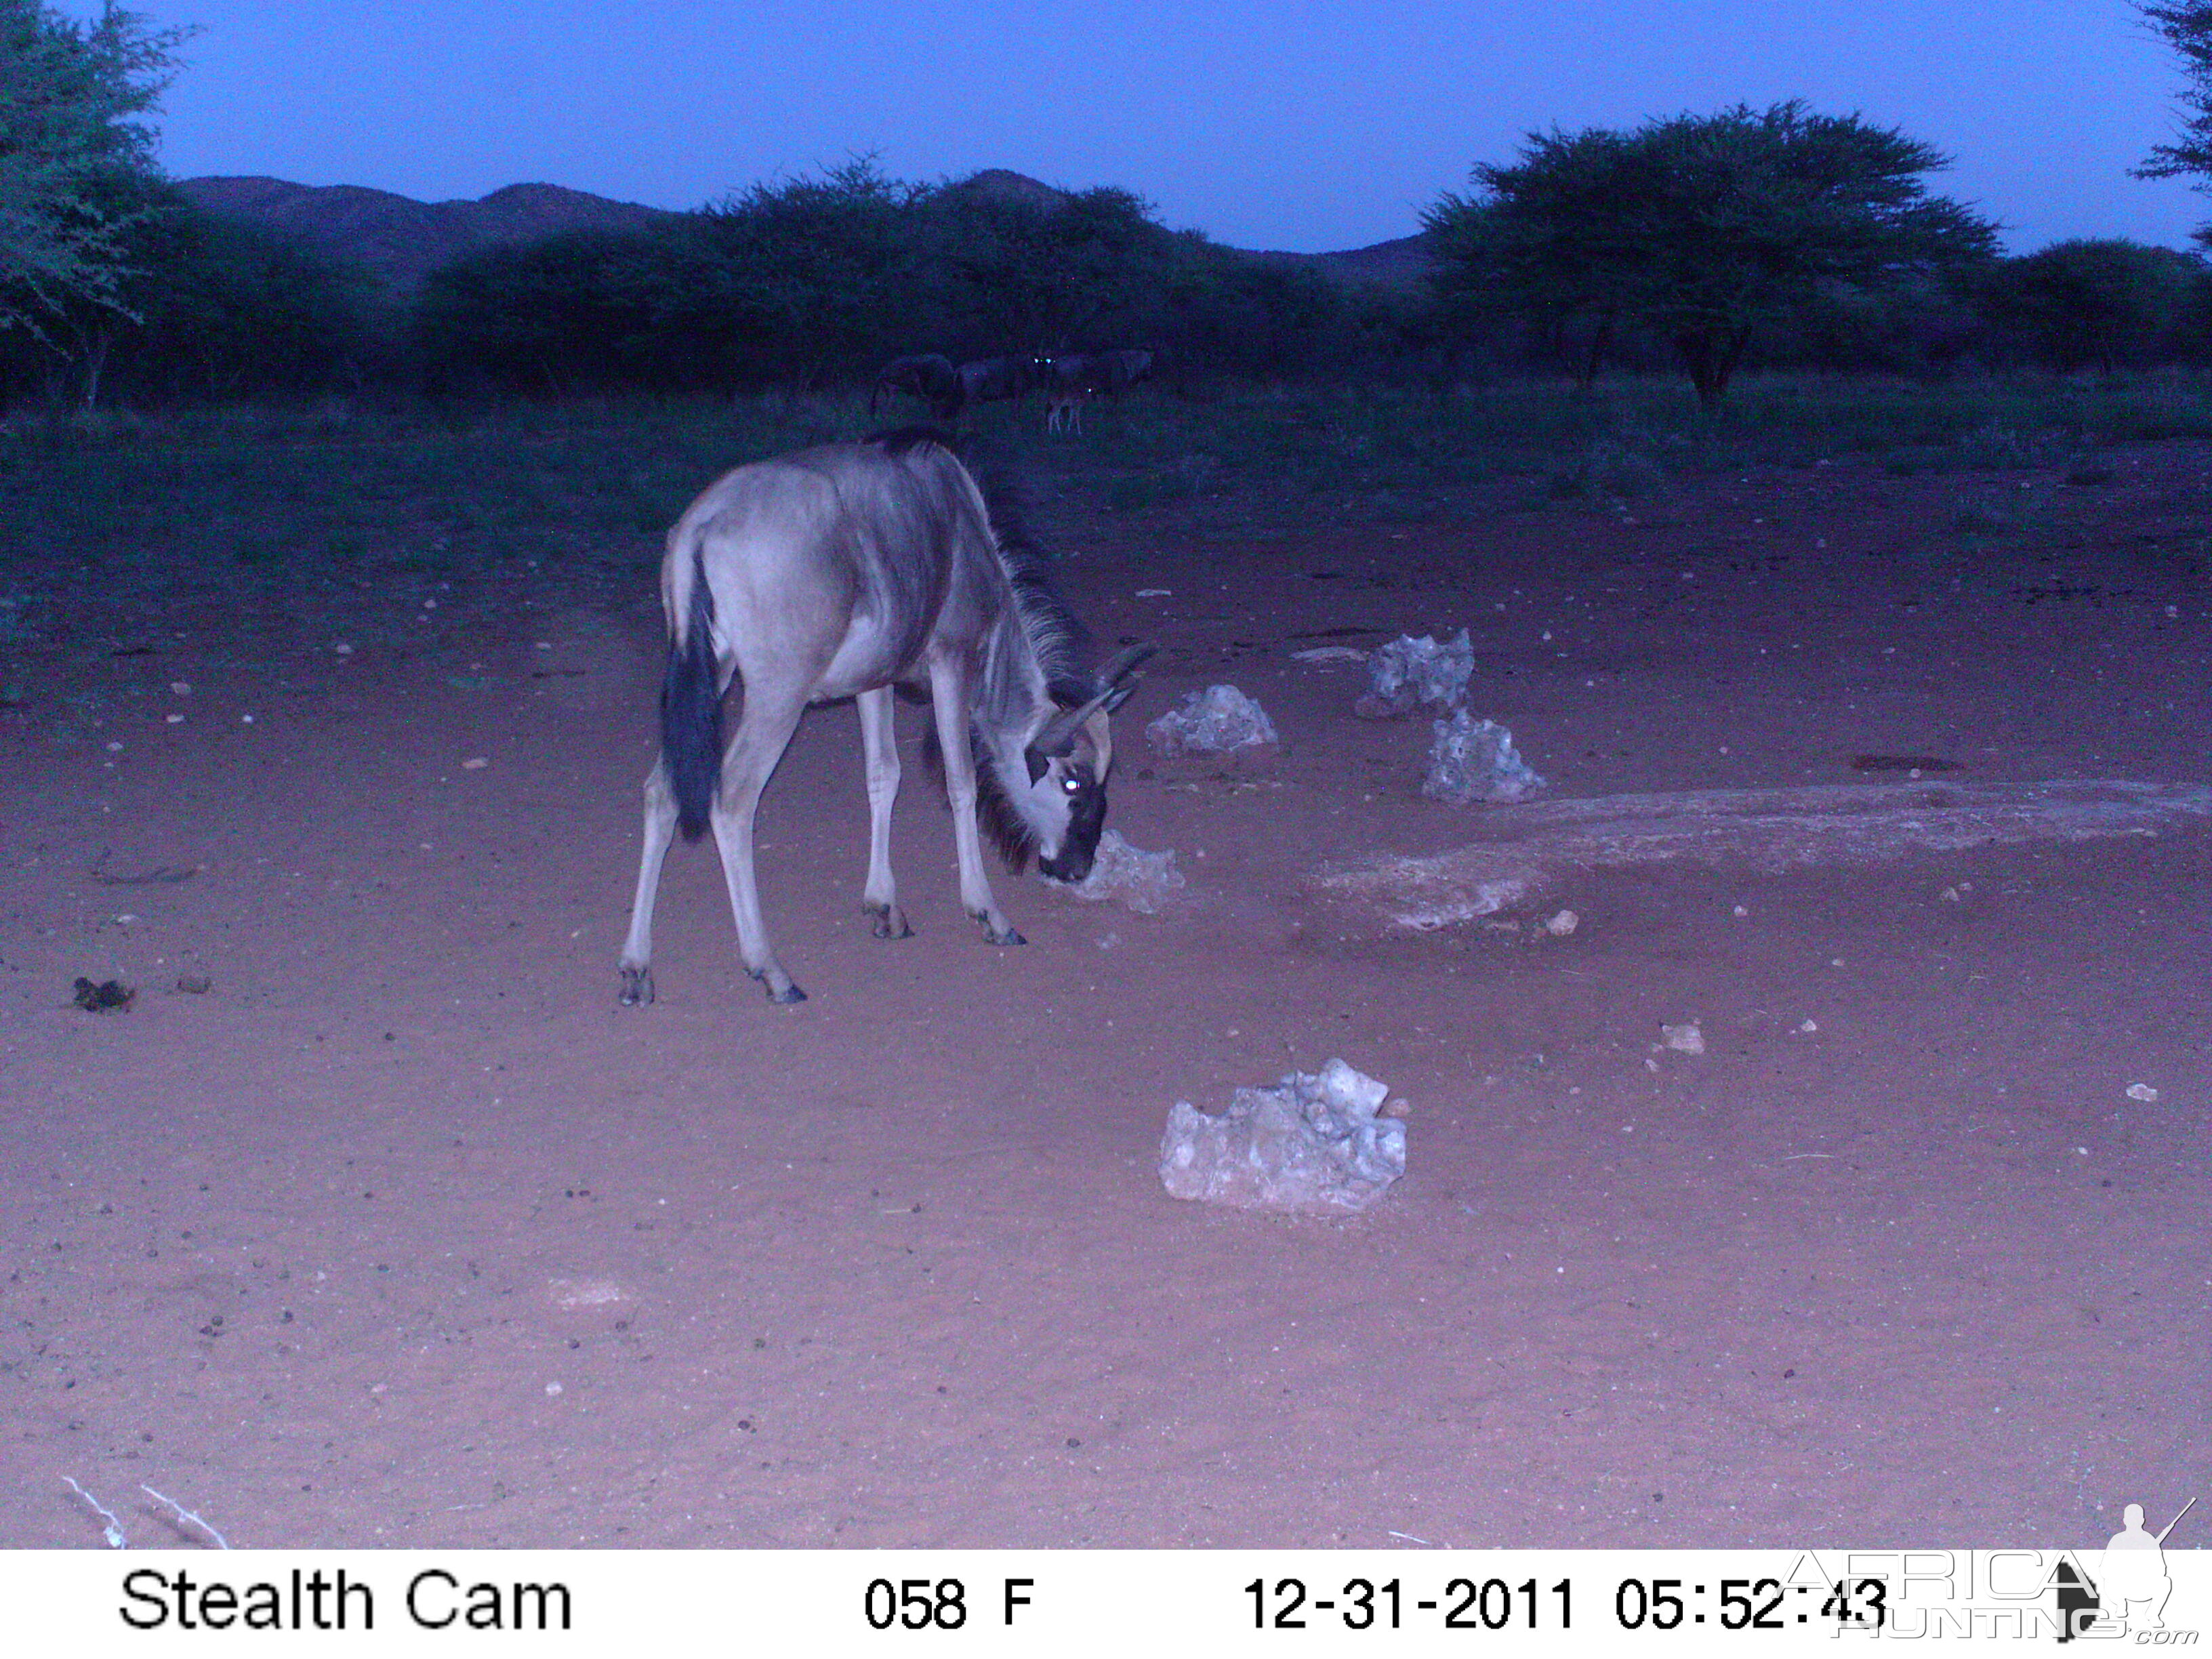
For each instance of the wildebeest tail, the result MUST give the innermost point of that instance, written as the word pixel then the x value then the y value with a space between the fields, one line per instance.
pixel 691 710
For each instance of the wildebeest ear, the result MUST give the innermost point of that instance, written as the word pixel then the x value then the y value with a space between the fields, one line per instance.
pixel 1037 763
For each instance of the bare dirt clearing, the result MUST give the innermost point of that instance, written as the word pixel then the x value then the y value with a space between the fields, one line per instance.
pixel 374 1220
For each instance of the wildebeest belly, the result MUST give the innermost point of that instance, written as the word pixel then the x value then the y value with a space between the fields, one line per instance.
pixel 871 654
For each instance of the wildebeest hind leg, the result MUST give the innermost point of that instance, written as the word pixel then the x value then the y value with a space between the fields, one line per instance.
pixel 763 731
pixel 660 829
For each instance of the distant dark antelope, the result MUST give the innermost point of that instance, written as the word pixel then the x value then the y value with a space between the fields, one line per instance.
pixel 844 572
pixel 927 376
pixel 1072 381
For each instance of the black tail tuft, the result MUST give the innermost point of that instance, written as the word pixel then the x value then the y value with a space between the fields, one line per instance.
pixel 691 715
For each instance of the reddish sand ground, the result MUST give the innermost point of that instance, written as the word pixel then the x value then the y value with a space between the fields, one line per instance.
pixel 403 1232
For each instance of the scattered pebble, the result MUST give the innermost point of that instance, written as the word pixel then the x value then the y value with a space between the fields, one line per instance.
pixel 342 649
pixel 1808 1026
pixel 1563 924
pixel 1740 911
pixel 182 687
pixel 1156 593
pixel 1683 1039
pixel 2142 1091
pixel 475 765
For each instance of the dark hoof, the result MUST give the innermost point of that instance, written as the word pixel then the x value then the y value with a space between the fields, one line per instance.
pixel 637 986
pixel 890 923
pixel 790 992
pixel 1009 937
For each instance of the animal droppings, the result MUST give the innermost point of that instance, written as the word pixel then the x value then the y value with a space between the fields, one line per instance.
pixel 1143 881
pixel 1218 720
pixel 1408 674
pixel 109 996
pixel 1473 761
pixel 1319 1144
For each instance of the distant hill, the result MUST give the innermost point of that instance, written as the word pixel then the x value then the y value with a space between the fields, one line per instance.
pixel 1399 262
pixel 402 239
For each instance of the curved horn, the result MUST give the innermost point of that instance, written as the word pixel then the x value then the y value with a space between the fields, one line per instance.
pixel 1057 735
pixel 1119 668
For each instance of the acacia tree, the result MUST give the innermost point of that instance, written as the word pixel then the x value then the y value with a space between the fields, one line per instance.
pixel 2103 301
pixel 77 167
pixel 1702 229
pixel 2187 28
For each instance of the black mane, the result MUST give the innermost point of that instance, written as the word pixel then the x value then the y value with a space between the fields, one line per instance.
pixel 898 439
pixel 1063 644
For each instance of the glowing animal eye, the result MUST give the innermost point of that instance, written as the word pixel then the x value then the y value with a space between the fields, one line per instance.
pixel 1073 786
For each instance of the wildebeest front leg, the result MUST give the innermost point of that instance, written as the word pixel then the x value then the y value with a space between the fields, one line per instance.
pixel 879 749
pixel 660 829
pixel 948 694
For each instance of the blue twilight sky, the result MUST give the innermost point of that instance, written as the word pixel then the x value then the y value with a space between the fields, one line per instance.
pixel 1287 125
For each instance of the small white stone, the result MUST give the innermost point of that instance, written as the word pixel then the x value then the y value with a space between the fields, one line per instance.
pixel 1808 1026
pixel 182 687
pixel 1740 911
pixel 1563 924
pixel 1683 1039
pixel 2142 1091
pixel 475 765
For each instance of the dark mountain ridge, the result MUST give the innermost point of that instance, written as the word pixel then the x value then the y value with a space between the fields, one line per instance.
pixel 402 240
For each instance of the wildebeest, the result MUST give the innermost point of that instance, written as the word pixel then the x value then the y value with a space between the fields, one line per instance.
pixel 995 380
pixel 844 572
pixel 928 376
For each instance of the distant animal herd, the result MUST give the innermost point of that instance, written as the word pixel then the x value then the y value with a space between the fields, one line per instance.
pixel 1068 382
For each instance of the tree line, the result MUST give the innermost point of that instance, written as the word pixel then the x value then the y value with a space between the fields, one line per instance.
pixel 1703 244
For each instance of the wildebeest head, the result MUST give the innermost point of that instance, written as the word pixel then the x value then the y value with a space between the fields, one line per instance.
pixel 1069 759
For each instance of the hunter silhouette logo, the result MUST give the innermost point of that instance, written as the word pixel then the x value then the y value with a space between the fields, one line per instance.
pixel 2131 1584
